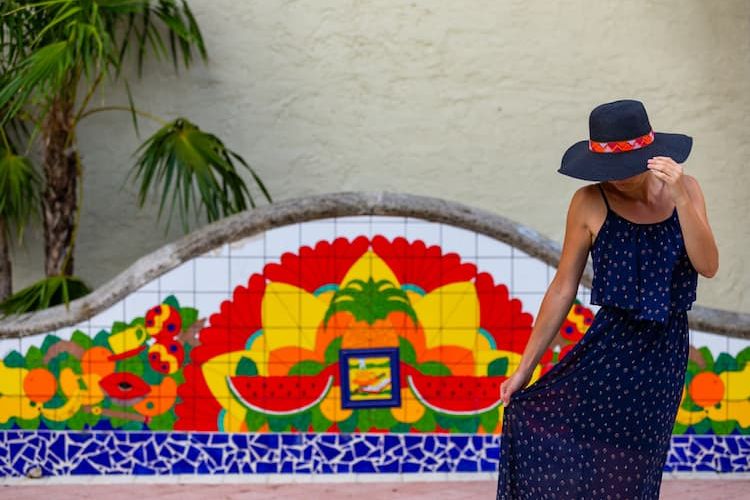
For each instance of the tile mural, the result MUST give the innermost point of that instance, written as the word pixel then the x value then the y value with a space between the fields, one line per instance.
pixel 352 344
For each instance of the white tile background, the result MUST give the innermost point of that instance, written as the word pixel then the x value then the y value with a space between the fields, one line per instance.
pixel 205 281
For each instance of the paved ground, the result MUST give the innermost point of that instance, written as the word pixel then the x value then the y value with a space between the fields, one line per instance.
pixel 678 489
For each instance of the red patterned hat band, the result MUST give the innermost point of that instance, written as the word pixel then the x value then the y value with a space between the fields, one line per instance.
pixel 621 146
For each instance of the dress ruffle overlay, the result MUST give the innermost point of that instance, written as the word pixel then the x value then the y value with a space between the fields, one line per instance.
pixel 599 423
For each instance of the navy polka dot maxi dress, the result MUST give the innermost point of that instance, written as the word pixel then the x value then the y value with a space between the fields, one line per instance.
pixel 598 424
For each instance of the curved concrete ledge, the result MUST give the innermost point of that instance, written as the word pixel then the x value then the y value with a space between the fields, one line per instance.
pixel 239 226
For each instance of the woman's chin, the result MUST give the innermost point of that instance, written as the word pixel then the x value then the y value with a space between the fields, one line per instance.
pixel 629 183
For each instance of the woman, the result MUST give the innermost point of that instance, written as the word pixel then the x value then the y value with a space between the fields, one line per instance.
pixel 598 424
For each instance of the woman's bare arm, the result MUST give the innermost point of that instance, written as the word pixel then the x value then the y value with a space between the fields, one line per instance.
pixel 691 208
pixel 563 287
pixel 700 244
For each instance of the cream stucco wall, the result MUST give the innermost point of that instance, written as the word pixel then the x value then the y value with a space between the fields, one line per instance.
pixel 473 101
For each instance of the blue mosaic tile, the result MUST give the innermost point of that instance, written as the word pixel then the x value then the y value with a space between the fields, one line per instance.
pixel 219 439
pixel 363 465
pixel 103 460
pixel 705 442
pixel 266 468
pixel 410 467
pixel 487 465
pixel 343 468
pixel 139 469
pixel 143 453
pixel 286 468
pixel 390 463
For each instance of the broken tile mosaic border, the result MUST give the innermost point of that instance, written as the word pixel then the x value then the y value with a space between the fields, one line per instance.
pixel 160 453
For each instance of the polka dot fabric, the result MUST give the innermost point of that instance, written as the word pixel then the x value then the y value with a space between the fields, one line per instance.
pixel 642 267
pixel 599 423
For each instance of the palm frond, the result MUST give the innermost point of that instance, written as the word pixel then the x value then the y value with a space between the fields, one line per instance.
pixel 47 292
pixel 45 46
pixel 20 186
pixel 193 168
pixel 145 33
pixel 43 71
pixel 121 7
pixel 131 105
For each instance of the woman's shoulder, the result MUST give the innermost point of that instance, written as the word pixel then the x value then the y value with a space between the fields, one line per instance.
pixel 588 203
pixel 585 195
pixel 692 183
pixel 587 209
pixel 695 193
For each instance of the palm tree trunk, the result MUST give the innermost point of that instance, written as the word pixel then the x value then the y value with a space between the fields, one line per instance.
pixel 59 197
pixel 6 273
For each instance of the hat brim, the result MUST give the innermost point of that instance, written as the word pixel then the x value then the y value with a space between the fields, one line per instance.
pixel 582 163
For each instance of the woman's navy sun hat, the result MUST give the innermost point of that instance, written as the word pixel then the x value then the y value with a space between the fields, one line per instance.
pixel 620 144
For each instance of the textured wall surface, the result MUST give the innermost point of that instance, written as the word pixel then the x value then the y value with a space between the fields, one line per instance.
pixel 472 101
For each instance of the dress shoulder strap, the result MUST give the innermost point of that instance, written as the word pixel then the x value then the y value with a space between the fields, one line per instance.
pixel 601 189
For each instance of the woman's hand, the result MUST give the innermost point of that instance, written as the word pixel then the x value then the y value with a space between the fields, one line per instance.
pixel 517 381
pixel 669 171
pixel 691 206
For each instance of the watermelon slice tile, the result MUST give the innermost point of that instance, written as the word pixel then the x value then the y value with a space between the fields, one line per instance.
pixel 456 395
pixel 281 394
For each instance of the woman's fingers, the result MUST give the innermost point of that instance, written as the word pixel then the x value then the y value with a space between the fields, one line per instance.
pixel 659 174
pixel 666 165
pixel 660 169
pixel 670 172
pixel 505 392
